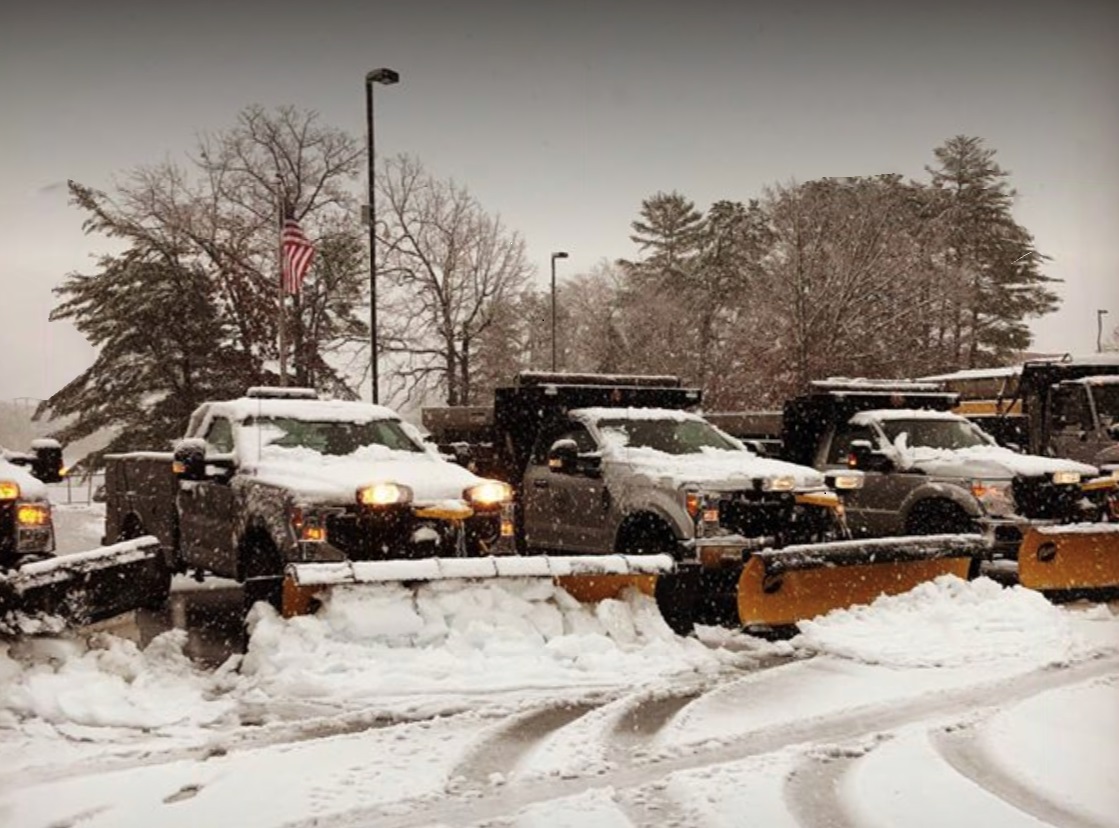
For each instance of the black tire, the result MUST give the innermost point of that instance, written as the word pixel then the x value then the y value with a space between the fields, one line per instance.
pixel 938 517
pixel 677 593
pixel 262 571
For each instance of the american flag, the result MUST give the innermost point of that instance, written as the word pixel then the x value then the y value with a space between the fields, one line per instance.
pixel 297 252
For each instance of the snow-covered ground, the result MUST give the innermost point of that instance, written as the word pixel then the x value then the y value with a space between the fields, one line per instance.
pixel 956 704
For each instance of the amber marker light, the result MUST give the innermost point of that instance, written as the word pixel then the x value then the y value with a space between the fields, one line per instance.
pixel 33 514
pixel 9 490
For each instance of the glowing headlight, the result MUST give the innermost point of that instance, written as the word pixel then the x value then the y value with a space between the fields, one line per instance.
pixel 489 494
pixel 384 494
pixel 9 490
pixel 846 482
pixel 784 483
pixel 995 498
pixel 33 514
pixel 1066 478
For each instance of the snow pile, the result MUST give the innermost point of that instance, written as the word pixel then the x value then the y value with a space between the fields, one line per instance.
pixel 107 682
pixel 450 637
pixel 948 622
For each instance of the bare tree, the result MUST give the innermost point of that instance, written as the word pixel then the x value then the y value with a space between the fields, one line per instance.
pixel 450 269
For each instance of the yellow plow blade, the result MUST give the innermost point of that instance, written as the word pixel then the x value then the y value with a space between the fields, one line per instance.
pixel 778 588
pixel 1080 557
pixel 588 578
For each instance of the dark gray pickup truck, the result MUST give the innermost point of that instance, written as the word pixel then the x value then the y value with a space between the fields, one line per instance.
pixel 280 476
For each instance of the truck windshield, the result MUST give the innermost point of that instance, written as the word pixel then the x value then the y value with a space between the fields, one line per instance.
pixel 935 434
pixel 669 436
pixel 333 438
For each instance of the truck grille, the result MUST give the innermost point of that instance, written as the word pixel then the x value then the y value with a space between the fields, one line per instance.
pixel 398 534
pixel 1038 498
pixel 765 514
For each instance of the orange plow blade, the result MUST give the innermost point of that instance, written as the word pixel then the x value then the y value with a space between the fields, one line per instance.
pixel 1074 558
pixel 588 578
pixel 778 588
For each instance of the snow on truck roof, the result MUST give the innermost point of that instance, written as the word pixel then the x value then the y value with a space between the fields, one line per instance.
pixel 595 414
pixel 346 411
pixel 885 414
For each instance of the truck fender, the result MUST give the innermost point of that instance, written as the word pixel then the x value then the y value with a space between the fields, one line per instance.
pixel 955 494
pixel 640 519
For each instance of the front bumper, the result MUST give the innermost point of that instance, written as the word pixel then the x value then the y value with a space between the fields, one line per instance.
pixel 405 532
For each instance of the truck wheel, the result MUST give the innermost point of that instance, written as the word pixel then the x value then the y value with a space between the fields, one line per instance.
pixel 261 571
pixel 677 593
pixel 938 517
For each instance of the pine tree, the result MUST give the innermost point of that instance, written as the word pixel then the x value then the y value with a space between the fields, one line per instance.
pixel 995 265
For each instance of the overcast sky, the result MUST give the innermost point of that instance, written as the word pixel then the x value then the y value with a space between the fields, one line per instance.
pixel 563 116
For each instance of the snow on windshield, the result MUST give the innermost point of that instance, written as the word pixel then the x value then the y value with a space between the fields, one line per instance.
pixel 668 436
pixel 332 438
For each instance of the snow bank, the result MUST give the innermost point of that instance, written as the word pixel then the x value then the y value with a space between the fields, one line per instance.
pixel 948 622
pixel 107 682
pixel 447 637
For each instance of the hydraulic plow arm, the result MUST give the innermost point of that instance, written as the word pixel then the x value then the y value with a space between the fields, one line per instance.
pixel 586 577
pixel 85 587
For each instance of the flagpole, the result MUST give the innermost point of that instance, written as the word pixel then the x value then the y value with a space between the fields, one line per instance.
pixel 280 261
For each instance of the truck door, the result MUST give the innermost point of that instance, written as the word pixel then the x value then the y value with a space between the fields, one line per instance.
pixel 1074 431
pixel 206 511
pixel 566 511
pixel 872 510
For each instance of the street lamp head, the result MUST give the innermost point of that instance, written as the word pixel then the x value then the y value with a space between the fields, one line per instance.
pixel 559 255
pixel 383 75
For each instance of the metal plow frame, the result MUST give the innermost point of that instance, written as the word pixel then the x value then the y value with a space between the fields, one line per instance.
pixel 1070 561
pixel 587 577
pixel 779 587
pixel 86 587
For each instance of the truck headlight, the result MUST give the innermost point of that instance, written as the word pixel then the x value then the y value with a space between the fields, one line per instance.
pixel 1066 478
pixel 9 490
pixel 384 494
pixel 489 495
pixel 781 483
pixel 995 498
pixel 33 514
pixel 845 481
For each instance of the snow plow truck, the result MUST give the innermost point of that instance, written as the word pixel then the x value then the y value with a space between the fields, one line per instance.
pixel 44 593
pixel 623 465
pixel 295 496
pixel 1047 521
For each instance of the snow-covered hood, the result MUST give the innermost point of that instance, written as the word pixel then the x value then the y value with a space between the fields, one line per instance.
pixel 30 488
pixel 317 478
pixel 713 469
pixel 984 462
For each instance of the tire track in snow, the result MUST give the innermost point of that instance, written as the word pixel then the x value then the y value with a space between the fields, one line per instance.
pixel 812 791
pixel 495 758
pixel 234 741
pixel 963 751
pixel 847 726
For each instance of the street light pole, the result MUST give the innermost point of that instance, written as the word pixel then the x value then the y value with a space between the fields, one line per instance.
pixel 557 255
pixel 386 77
pixel 1099 330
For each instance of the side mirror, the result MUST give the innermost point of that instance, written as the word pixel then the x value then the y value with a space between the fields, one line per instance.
pixel 562 456
pixel 190 460
pixel 864 458
pixel 46 463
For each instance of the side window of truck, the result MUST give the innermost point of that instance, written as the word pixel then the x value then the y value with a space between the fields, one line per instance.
pixel 219 437
pixel 841 441
pixel 573 431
